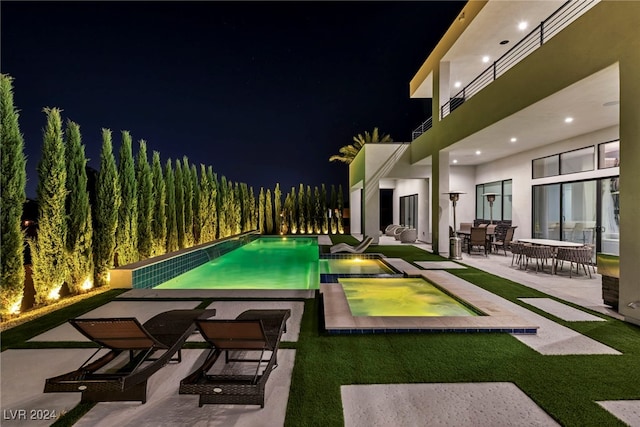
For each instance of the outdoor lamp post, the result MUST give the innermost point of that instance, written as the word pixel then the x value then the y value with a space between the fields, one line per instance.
pixel 455 245
pixel 491 197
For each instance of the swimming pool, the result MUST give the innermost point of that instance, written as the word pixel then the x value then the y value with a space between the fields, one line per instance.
pixel 400 297
pixel 265 263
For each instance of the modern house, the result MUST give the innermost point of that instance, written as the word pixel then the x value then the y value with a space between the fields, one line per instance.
pixel 538 102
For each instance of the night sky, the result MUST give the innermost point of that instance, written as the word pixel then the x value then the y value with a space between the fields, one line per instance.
pixel 263 92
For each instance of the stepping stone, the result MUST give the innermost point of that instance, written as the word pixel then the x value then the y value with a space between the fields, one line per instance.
pixel 400 264
pixel 439 265
pixel 560 310
pixel 440 404
pixel 627 411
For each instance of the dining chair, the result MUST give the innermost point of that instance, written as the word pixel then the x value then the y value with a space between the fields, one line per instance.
pixel 478 238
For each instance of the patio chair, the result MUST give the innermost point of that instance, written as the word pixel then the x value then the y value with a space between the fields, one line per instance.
pixel 409 235
pixel 517 251
pixel 358 249
pixel 541 254
pixel 240 380
pixel 478 238
pixel 390 228
pixel 110 378
pixel 506 242
pixel 579 256
pixel 398 231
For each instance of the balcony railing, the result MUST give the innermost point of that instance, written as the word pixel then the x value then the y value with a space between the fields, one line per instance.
pixel 551 26
pixel 425 126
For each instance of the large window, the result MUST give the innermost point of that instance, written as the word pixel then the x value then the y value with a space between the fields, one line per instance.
pixel 409 210
pixel 502 204
pixel 577 161
pixel 580 160
pixel 609 154
pixel 546 166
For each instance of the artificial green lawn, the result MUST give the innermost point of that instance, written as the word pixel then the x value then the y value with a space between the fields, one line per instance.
pixel 566 387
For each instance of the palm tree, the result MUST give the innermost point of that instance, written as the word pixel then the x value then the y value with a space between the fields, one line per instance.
pixel 349 152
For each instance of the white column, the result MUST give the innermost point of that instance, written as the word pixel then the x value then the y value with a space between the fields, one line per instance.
pixel 355 211
pixel 372 210
pixel 445 210
pixel 444 84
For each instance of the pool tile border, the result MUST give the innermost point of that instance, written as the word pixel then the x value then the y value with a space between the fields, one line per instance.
pixel 339 320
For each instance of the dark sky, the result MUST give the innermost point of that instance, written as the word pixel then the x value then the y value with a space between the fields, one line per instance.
pixel 263 92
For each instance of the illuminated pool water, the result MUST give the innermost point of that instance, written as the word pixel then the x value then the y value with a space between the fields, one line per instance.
pixel 265 263
pixel 399 297
pixel 353 266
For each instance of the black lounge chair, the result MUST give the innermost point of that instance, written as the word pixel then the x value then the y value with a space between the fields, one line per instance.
pixel 103 380
pixel 225 383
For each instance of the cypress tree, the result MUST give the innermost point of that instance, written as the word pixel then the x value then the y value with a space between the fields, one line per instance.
pixel 302 209
pixel 188 203
pixel 172 227
pixel 48 248
pixel 223 209
pixel 107 205
pixel 317 211
pixel 261 211
pixel 206 206
pixel 79 223
pixel 293 211
pixel 285 218
pixel 237 210
pixel 332 208
pixel 269 212
pixel 277 202
pixel 214 202
pixel 252 205
pixel 179 190
pixel 159 218
pixel 323 207
pixel 145 202
pixel 13 178
pixel 340 208
pixel 195 187
pixel 246 207
pixel 127 231
pixel 309 206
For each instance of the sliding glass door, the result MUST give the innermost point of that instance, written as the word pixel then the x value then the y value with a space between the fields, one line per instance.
pixel 608 230
pixel 409 211
pixel 584 212
pixel 579 212
pixel 546 212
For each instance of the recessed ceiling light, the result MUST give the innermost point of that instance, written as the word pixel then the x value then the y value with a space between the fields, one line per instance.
pixel 478 152
pixel 568 120
pixel 504 42
pixel 523 25
pixel 514 139
pixel 457 84
pixel 485 59
pixel 455 161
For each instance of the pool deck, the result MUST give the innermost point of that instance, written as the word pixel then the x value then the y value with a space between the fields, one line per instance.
pixel 497 318
pixel 459 404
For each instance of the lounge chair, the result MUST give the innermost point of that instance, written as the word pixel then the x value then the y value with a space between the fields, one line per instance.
pixel 110 378
pixel 390 229
pixel 240 380
pixel 358 249
pixel 410 235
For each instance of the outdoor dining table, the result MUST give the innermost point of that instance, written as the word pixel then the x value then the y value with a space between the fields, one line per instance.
pixel 555 244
